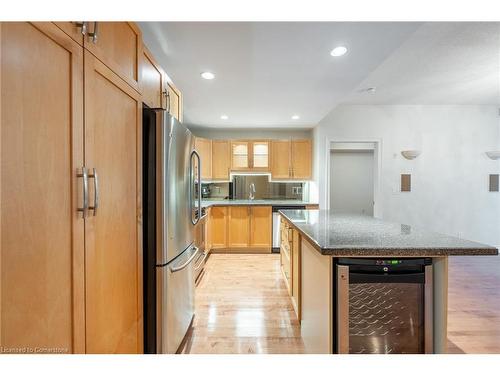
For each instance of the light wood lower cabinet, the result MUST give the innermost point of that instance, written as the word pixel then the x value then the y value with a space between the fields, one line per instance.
pixel 261 221
pixel 241 228
pixel 218 227
pixel 290 261
pixel 67 283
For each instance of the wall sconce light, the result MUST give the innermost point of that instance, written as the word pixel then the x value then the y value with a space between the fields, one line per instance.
pixel 493 155
pixel 410 154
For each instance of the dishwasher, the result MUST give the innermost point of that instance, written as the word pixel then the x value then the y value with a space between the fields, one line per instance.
pixel 276 224
pixel 383 306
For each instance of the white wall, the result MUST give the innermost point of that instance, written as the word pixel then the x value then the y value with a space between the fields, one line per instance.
pixel 449 179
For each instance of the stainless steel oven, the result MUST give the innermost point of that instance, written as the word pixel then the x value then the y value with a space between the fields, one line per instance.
pixel 384 306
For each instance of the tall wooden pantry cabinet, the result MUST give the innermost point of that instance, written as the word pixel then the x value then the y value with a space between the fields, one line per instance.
pixel 70 188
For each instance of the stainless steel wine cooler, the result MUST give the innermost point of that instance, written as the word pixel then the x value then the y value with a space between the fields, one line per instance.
pixel 384 306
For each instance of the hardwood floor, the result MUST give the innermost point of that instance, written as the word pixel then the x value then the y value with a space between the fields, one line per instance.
pixel 474 305
pixel 242 306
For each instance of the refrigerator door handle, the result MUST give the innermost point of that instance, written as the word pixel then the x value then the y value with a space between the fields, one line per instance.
pixel 182 266
pixel 197 217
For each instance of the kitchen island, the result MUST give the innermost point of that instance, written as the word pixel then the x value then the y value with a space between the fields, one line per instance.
pixel 331 247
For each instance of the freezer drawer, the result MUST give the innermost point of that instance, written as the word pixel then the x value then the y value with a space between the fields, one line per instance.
pixel 175 300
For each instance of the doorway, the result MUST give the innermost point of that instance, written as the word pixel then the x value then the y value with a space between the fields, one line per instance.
pixel 352 179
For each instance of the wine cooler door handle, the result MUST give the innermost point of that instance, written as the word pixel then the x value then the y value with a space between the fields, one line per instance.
pixel 342 309
pixel 96 191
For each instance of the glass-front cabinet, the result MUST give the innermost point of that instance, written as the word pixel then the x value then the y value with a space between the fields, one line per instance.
pixel 260 155
pixel 250 155
pixel 240 160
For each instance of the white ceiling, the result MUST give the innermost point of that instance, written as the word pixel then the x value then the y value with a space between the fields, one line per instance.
pixel 441 63
pixel 267 72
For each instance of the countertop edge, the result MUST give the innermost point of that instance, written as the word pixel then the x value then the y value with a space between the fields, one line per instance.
pixel 382 252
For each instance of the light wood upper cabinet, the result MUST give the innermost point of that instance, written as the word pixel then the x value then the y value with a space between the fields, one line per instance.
pixel 239 226
pixel 218 227
pixel 249 156
pixel 260 155
pixel 240 155
pixel 41 233
pixel 174 101
pixel 291 159
pixel 74 30
pixel 152 81
pixel 204 148
pixel 301 161
pixel 113 261
pixel 261 226
pixel 280 159
pixel 119 46
pixel 221 160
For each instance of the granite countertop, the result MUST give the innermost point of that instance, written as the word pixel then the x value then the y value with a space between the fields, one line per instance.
pixel 255 202
pixel 357 235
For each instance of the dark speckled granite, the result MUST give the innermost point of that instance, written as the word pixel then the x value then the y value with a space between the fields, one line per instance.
pixel 356 235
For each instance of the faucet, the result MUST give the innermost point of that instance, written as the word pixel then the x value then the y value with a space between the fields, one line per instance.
pixel 251 194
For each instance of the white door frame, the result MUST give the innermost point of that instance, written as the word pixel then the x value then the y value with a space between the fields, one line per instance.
pixel 377 170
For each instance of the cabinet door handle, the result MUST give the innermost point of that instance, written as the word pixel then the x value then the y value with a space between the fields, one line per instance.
pixel 85 186
pixel 93 35
pixel 83 26
pixel 167 98
pixel 96 191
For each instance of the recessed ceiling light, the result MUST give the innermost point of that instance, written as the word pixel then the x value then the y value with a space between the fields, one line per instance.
pixel 295 117
pixel 224 117
pixel 338 51
pixel 369 90
pixel 207 75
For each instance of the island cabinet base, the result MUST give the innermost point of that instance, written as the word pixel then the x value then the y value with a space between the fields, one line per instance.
pixel 317 298
pixel 440 285
pixel 319 304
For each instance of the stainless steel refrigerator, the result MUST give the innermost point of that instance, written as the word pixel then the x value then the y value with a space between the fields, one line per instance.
pixel 171 199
